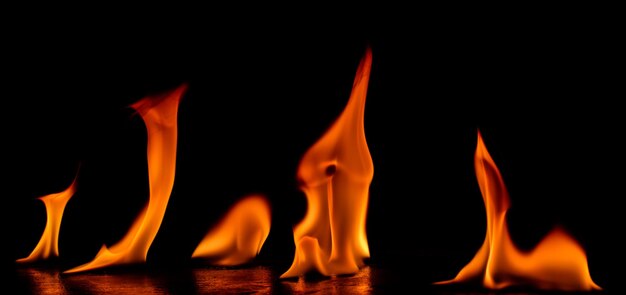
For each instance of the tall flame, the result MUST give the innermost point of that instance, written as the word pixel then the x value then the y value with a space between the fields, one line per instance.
pixel 160 115
pixel 240 235
pixel 336 173
pixel 556 263
pixel 48 245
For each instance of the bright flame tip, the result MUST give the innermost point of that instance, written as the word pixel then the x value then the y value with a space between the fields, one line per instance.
pixel 331 238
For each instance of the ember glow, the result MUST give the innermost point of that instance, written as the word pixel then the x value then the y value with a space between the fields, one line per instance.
pixel 238 238
pixel 160 114
pixel 48 245
pixel 335 174
pixel 556 263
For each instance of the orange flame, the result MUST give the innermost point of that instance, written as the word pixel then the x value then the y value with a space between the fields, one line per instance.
pixel 160 116
pixel 48 245
pixel 240 235
pixel 556 263
pixel 336 173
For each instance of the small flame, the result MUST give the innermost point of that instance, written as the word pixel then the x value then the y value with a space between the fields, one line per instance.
pixel 48 245
pixel 336 173
pixel 240 235
pixel 160 115
pixel 556 263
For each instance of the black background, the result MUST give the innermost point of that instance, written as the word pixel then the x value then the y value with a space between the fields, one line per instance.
pixel 543 89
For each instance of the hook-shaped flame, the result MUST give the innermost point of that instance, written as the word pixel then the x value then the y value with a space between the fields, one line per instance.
pixel 160 114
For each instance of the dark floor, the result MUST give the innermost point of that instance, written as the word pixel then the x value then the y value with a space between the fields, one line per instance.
pixel 248 280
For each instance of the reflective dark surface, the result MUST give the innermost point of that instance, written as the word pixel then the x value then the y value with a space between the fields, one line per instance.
pixel 253 280
pixel 246 280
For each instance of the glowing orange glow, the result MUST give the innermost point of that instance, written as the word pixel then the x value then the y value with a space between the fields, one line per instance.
pixel 160 115
pixel 556 263
pixel 48 245
pixel 335 175
pixel 240 235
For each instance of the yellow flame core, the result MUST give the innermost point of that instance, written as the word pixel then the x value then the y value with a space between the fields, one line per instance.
pixel 160 116
pixel 556 263
pixel 238 238
pixel 336 173
pixel 48 245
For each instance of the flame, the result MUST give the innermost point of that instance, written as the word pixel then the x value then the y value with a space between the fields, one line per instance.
pixel 240 235
pixel 335 174
pixel 556 263
pixel 160 116
pixel 48 245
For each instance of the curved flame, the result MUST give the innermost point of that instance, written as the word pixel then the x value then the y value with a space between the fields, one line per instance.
pixel 556 263
pixel 48 245
pixel 160 115
pixel 240 235
pixel 336 173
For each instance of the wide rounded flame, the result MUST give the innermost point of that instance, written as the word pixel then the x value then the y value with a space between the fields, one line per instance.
pixel 238 238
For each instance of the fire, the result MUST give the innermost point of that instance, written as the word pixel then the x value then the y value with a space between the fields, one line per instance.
pixel 335 175
pixel 160 115
pixel 48 245
pixel 240 235
pixel 556 263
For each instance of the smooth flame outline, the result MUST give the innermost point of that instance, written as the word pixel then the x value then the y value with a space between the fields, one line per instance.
pixel 160 114
pixel 48 245
pixel 335 175
pixel 239 235
pixel 558 262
